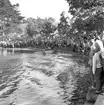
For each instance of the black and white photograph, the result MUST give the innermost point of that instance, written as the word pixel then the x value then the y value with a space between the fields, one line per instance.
pixel 51 52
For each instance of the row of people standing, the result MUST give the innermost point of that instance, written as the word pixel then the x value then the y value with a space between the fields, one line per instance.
pixel 96 65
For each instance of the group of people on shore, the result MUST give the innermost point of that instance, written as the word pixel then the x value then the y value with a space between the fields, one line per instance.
pixel 96 60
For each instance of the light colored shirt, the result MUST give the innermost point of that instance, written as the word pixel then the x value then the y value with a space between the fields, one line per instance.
pixel 96 62
pixel 92 51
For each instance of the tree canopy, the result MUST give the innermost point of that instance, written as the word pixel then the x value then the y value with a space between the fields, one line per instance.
pixel 63 26
pixel 40 26
pixel 88 15
pixel 9 12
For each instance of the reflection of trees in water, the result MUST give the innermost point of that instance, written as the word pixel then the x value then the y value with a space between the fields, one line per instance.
pixel 13 51
pixel 5 52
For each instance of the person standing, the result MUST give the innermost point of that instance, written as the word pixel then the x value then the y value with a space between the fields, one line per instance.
pixel 91 53
pixel 96 65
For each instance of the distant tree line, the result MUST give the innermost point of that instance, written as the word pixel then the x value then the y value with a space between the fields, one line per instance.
pixel 87 22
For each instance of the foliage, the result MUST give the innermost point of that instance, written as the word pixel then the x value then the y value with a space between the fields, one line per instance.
pixel 87 21
pixel 40 26
pixel 9 12
pixel 30 28
pixel 63 26
pixel 88 15
pixel 48 26
pixel 9 15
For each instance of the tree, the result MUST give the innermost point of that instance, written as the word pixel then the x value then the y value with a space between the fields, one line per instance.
pixel 63 26
pixel 9 11
pixel 88 15
pixel 40 26
pixel 9 16
pixel 30 27
pixel 48 26
pixel 35 26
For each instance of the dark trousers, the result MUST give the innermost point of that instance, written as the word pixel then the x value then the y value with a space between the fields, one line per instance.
pixel 99 78
pixel 102 78
pixel 92 77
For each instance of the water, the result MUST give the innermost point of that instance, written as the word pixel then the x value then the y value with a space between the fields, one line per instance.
pixel 33 77
pixel 28 77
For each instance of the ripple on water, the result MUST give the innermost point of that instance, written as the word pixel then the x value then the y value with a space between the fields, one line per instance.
pixel 33 86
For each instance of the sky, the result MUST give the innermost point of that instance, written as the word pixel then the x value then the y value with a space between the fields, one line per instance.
pixel 42 8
